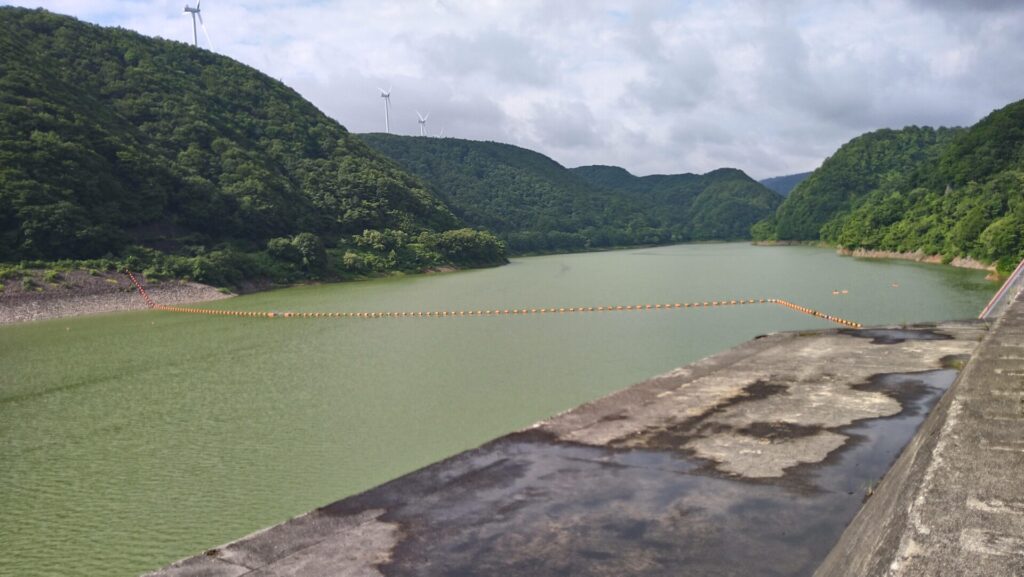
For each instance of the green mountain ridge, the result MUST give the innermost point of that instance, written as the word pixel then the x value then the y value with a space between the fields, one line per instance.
pixel 116 145
pixel 785 184
pixel 723 203
pixel 857 168
pixel 536 204
pixel 950 191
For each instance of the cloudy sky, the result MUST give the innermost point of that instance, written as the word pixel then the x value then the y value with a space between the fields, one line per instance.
pixel 656 86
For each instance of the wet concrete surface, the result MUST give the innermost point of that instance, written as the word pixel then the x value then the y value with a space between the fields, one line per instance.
pixel 894 336
pixel 530 506
pixel 953 504
pixel 751 462
pixel 808 385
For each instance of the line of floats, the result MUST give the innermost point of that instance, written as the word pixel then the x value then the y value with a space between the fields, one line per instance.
pixel 487 312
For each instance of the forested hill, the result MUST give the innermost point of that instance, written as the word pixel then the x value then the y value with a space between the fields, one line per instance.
pixel 856 169
pixel 536 204
pixel 950 192
pixel 114 144
pixel 721 204
pixel 785 184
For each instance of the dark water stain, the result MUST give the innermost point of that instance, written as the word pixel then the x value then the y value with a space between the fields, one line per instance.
pixel 527 505
pixel 676 435
pixel 777 431
pixel 874 444
pixel 896 336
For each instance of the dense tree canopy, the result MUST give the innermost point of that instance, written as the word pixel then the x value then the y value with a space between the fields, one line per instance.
pixel 112 143
pixel 538 205
pixel 950 192
pixel 719 205
pixel 856 169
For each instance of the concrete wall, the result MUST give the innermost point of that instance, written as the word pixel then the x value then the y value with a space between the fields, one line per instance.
pixel 953 504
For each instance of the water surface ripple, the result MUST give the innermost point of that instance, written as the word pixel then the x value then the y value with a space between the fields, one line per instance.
pixel 130 440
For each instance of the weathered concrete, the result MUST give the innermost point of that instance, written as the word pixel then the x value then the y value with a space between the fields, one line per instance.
pixel 752 461
pixel 953 504
pixel 814 383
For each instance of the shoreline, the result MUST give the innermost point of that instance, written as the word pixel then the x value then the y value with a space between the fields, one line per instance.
pixel 920 256
pixel 79 293
pixel 916 256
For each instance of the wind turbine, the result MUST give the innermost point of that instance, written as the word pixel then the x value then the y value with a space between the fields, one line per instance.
pixel 195 35
pixel 386 95
pixel 423 123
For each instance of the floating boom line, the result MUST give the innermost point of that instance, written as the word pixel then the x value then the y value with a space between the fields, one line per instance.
pixel 488 312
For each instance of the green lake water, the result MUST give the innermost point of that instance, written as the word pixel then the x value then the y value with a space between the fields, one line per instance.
pixel 130 440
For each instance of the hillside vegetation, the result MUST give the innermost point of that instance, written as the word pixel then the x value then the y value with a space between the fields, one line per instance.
pixel 785 184
pixel 949 192
pixel 721 204
pixel 143 151
pixel 857 168
pixel 535 204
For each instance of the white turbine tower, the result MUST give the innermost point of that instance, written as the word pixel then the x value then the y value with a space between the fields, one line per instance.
pixel 386 95
pixel 195 33
pixel 423 123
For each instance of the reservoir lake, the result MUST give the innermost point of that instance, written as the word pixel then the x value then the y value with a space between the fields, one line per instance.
pixel 130 440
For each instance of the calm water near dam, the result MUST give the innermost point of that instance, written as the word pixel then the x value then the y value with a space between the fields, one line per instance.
pixel 130 440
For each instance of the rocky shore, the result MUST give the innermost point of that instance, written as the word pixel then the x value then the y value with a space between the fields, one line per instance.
pixel 38 295
pixel 917 256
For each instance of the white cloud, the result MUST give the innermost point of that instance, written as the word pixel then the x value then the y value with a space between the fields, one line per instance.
pixel 655 86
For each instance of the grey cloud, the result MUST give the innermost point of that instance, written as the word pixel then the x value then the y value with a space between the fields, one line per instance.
pixel 680 82
pixel 566 125
pixel 969 5
pixel 496 54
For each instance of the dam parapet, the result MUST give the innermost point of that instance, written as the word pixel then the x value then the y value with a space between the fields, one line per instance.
pixel 1005 295
pixel 953 504
pixel 752 461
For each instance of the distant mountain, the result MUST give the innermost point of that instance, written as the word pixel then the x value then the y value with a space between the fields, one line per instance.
pixel 949 192
pixel 721 204
pixel 525 197
pixel 535 204
pixel 112 142
pixel 785 184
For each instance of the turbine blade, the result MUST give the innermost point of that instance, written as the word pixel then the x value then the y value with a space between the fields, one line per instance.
pixel 206 34
pixel 197 4
pixel 426 117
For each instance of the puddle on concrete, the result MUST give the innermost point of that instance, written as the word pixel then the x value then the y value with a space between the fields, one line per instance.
pixel 527 506
pixel 895 336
